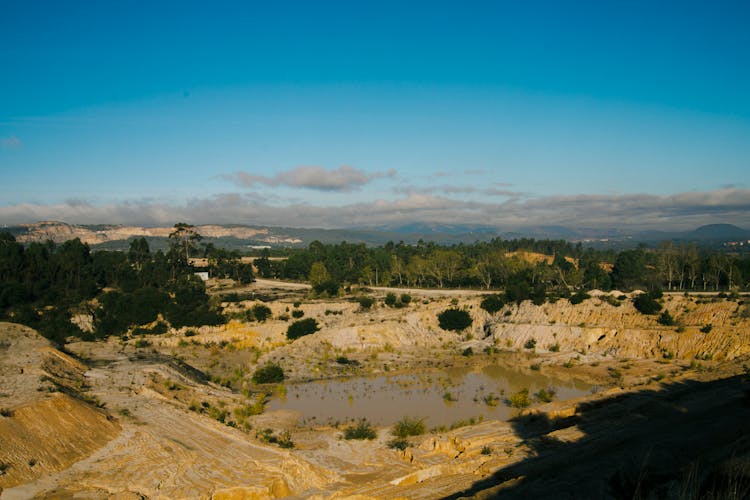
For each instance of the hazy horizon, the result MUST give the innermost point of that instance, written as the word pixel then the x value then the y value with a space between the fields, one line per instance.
pixel 341 115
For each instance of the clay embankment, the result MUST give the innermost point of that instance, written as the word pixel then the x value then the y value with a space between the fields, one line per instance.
pixel 41 431
pixel 600 328
pixel 597 327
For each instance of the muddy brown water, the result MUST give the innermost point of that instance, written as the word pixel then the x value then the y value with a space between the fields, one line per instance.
pixel 440 397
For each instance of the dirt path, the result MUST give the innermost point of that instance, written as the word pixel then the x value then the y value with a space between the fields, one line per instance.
pixel 441 292
pixel 290 285
pixel 262 283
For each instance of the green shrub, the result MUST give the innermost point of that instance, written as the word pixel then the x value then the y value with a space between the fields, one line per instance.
pixel 301 328
pixel 235 297
pixel 454 319
pixel 328 288
pixel 365 302
pixel 363 430
pixel 398 444
pixel 463 423
pixel 545 395
pixel 343 360
pixel 492 303
pixel 118 310
pixel 491 400
pixel 190 305
pixel 405 298
pixel 255 408
pixel 467 352
pixel 283 440
pixel 530 344
pixel 159 328
pixel 298 313
pixel 138 330
pixel 665 319
pixel 408 426
pixel 555 347
pixel 271 373
pixel 261 312
pixel 707 328
pixel 609 299
pixel 646 303
pixel 520 399
pixel 390 299
pixel 579 297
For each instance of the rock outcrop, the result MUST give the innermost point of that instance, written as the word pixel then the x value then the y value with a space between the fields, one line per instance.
pixel 704 328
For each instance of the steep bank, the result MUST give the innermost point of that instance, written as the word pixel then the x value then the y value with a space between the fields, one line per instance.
pixel 603 327
pixel 46 425
pixel 704 328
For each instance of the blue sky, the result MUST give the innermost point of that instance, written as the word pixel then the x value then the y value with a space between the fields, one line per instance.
pixel 337 114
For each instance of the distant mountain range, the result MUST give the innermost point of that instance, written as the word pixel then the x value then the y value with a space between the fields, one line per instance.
pixel 707 233
pixel 238 236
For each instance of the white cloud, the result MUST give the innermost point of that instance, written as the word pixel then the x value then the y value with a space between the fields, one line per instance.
pixel 633 211
pixel 344 178
pixel 449 189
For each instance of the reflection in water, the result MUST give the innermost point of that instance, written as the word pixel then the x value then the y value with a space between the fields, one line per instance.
pixel 384 400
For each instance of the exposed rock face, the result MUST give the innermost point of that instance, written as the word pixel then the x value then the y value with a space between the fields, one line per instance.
pixel 60 232
pixel 50 435
pixel 597 327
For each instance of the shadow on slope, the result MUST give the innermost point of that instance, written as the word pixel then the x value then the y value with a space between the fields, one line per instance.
pixel 686 440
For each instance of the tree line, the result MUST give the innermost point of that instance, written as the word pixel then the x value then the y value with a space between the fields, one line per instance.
pixel 521 267
pixel 43 285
